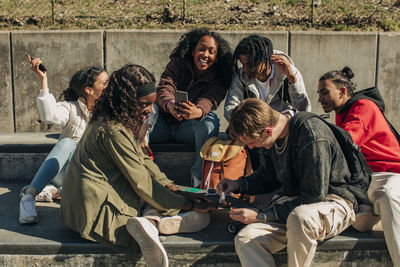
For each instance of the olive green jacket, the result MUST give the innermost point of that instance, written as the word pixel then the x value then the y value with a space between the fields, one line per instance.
pixel 107 180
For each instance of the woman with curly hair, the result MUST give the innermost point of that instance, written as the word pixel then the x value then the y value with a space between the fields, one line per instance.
pixel 201 66
pixel 72 114
pixel 113 191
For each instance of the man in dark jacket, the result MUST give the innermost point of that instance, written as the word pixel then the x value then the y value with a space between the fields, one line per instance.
pixel 306 163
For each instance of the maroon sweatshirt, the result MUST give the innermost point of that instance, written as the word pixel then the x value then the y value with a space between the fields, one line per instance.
pixel 206 92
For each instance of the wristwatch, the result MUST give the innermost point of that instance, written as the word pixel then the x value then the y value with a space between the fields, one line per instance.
pixel 261 216
pixel 267 215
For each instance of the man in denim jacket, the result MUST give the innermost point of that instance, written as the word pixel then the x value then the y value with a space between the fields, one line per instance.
pixel 308 166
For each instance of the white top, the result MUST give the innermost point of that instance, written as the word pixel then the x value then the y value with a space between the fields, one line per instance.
pixel 241 82
pixel 72 116
pixel 265 87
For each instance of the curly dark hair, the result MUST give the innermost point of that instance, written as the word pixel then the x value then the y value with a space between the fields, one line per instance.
pixel 259 50
pixel 341 78
pixel 80 80
pixel 223 63
pixel 118 102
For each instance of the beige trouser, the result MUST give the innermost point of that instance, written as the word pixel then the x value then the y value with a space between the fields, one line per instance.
pixel 305 225
pixel 384 194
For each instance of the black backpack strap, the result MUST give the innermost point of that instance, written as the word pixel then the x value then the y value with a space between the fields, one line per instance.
pixel 284 91
pixel 358 166
pixel 299 119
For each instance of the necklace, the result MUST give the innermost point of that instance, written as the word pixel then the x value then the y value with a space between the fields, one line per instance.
pixel 280 149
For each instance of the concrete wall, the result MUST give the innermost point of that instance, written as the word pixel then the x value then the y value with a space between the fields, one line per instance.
pixel 6 103
pixel 63 53
pixel 374 58
pixel 316 53
pixel 389 74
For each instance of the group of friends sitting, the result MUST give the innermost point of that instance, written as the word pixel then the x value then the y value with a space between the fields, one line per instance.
pixel 113 192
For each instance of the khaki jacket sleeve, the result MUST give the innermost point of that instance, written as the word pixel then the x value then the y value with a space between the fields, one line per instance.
pixel 143 176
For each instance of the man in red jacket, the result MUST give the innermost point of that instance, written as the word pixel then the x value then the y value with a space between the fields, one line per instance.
pixel 361 114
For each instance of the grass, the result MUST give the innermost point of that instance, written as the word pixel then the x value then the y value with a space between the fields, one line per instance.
pixel 350 15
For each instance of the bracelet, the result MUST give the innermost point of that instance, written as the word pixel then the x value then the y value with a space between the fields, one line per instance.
pixel 169 101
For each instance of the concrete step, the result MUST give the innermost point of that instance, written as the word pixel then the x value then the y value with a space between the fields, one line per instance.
pixel 21 155
pixel 49 243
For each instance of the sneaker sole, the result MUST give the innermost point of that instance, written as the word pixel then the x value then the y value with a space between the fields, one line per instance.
pixel 152 250
pixel 28 220
pixel 188 222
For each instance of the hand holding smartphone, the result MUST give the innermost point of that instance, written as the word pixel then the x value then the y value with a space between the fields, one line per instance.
pixel 181 96
pixel 41 66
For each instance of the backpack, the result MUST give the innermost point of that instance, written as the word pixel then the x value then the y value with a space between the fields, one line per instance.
pixel 356 162
pixel 223 159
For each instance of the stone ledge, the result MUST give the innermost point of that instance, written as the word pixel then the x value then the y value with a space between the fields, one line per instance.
pixel 23 153
pixel 43 142
pixel 52 243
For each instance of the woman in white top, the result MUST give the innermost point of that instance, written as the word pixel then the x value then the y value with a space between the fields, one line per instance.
pixel 72 115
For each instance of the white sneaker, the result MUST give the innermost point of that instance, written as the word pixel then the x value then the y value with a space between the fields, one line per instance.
pixel 46 195
pixel 187 222
pixel 196 181
pixel 27 210
pixel 146 235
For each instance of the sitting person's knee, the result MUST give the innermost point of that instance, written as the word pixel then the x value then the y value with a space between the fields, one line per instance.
pixel 300 220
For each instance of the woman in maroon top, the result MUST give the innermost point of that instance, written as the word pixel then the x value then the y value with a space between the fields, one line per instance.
pixel 200 65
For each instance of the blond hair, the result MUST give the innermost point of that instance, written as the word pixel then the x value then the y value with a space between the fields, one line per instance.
pixel 250 118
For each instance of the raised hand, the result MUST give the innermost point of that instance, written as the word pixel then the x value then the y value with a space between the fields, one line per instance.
pixel 284 64
pixel 35 67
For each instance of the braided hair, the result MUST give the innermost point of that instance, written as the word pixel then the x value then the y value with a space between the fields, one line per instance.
pixel 341 78
pixel 258 49
pixel 80 80
pixel 119 103
pixel 223 63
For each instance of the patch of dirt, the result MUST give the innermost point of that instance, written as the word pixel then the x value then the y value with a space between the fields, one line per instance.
pixel 349 15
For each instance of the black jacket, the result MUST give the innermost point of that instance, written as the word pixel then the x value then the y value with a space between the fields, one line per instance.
pixel 312 167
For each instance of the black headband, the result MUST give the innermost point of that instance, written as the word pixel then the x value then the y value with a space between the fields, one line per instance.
pixel 145 89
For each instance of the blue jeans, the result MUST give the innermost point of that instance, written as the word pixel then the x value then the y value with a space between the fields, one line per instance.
pixel 195 132
pixel 55 165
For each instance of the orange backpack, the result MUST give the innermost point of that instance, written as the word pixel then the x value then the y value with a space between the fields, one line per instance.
pixel 223 159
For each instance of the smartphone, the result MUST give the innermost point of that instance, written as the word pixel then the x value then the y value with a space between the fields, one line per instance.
pixel 41 66
pixel 181 96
